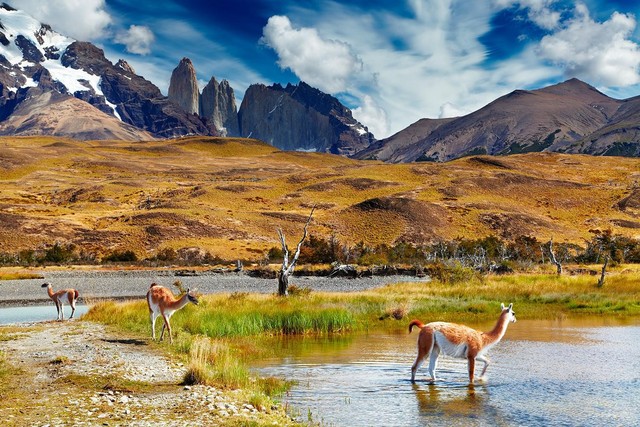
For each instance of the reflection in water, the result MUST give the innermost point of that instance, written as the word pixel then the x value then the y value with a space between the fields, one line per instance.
pixel 544 374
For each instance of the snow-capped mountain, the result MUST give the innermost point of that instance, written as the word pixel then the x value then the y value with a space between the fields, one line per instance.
pixel 36 60
pixel 45 77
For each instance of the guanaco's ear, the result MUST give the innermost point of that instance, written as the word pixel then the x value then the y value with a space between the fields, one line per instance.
pixel 510 306
pixel 501 306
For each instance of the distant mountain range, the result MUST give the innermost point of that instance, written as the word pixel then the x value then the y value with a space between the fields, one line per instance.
pixel 53 85
pixel 570 117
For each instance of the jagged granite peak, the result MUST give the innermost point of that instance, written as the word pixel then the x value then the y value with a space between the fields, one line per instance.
pixel 218 106
pixel 183 87
pixel 300 117
pixel 124 65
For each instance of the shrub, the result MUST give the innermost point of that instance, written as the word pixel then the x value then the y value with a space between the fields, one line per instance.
pixel 452 274
pixel 121 256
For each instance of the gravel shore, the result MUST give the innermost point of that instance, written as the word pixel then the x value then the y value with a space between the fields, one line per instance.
pixel 133 284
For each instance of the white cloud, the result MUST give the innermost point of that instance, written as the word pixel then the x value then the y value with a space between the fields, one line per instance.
pixel 84 20
pixel 137 39
pixel 539 11
pixel 599 52
pixel 324 63
pixel 374 117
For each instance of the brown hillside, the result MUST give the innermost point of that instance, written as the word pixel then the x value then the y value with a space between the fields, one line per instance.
pixel 54 114
pixel 228 196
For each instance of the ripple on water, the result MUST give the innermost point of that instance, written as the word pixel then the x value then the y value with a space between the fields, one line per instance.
pixel 578 376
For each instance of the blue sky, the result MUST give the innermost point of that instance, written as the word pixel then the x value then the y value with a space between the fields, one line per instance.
pixel 391 61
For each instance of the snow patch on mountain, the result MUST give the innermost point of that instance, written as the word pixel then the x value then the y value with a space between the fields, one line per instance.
pixel 15 23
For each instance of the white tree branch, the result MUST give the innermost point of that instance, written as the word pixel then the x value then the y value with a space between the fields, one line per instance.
pixel 285 250
pixel 304 236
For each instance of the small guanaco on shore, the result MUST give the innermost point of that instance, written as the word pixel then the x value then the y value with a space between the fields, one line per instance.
pixel 161 302
pixel 65 296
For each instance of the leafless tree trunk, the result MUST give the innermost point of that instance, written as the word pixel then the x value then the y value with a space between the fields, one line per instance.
pixel 604 268
pixel 554 260
pixel 288 266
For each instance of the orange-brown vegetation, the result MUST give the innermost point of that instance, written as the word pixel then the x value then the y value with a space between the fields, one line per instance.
pixel 227 196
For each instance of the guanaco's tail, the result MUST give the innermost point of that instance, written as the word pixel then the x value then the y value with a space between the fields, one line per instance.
pixel 417 323
pixel 76 294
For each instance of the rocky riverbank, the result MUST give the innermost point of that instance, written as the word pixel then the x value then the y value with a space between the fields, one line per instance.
pixel 79 373
pixel 133 284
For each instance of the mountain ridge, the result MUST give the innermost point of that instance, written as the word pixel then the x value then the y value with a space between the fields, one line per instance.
pixel 564 117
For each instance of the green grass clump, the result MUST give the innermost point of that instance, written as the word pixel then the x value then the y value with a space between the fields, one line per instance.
pixel 214 363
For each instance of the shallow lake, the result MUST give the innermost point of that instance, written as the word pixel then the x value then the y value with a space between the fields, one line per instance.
pixel 37 313
pixel 544 373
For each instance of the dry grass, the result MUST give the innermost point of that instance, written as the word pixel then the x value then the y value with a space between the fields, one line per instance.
pixel 227 196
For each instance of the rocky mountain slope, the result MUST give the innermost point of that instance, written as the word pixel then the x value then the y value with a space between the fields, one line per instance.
pixel 299 117
pixel 571 117
pixel 51 113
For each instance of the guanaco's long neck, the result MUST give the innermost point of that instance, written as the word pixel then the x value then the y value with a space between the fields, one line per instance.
pixel 498 331
pixel 50 291
pixel 179 303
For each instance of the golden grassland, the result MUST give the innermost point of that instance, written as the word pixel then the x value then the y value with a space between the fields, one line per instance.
pixel 228 195
pixel 222 335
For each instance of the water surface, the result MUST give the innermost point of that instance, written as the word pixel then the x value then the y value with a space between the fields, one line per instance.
pixel 37 313
pixel 570 373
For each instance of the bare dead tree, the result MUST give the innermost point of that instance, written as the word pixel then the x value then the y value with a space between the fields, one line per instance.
pixel 287 267
pixel 553 258
pixel 602 275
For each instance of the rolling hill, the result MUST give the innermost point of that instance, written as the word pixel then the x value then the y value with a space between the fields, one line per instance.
pixel 228 195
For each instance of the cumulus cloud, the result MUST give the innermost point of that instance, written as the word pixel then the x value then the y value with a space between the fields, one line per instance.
pixel 599 52
pixel 137 39
pixel 324 63
pixel 374 117
pixel 83 20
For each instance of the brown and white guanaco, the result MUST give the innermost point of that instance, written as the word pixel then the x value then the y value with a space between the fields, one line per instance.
pixel 65 296
pixel 458 341
pixel 161 302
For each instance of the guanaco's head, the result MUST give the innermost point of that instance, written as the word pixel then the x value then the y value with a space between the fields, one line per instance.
pixel 192 297
pixel 511 315
pixel 46 285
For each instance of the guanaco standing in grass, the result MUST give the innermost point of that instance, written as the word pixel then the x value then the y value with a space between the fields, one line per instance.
pixel 65 296
pixel 161 302
pixel 458 341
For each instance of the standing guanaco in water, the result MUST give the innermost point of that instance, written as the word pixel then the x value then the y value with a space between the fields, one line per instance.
pixel 458 341
pixel 162 302
pixel 65 296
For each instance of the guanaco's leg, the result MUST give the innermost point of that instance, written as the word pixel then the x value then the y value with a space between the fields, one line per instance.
pixel 73 307
pixel 433 361
pixel 486 361
pixel 425 345
pixel 153 317
pixel 472 366
pixel 168 326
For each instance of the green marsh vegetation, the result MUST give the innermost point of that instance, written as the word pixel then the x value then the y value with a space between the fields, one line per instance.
pixel 219 338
